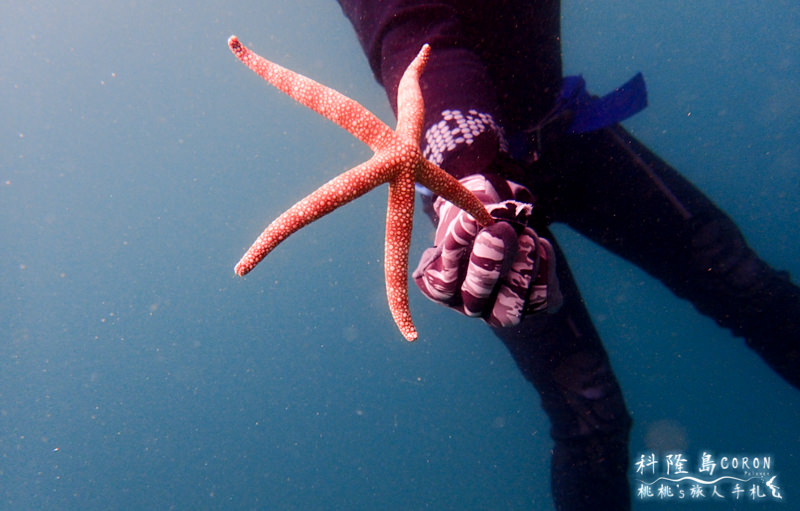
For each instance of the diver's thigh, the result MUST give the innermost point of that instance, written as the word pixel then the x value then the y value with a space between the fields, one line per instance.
pixel 621 195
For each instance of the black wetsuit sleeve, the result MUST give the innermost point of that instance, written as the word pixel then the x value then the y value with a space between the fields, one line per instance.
pixel 456 85
pixel 392 32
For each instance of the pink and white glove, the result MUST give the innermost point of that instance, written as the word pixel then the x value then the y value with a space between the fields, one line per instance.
pixel 500 273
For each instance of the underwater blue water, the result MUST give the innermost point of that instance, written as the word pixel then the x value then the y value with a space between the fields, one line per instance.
pixel 139 159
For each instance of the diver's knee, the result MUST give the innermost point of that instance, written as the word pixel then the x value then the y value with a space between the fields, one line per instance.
pixel 717 248
pixel 594 396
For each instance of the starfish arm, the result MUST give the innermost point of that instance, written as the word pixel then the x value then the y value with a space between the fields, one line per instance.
pixel 337 107
pixel 333 194
pixel 399 220
pixel 410 107
pixel 441 183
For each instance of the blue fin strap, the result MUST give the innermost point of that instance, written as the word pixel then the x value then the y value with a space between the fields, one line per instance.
pixel 591 113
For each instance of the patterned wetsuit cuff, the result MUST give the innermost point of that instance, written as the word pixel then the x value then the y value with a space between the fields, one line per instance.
pixel 464 142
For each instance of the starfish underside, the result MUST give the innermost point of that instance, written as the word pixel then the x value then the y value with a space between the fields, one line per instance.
pixel 397 160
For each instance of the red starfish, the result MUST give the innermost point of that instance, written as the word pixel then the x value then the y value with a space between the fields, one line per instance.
pixel 397 160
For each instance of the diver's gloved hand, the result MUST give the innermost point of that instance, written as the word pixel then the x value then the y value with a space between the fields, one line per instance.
pixel 499 273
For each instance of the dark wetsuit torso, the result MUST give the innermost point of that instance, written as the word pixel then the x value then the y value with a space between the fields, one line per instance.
pixel 504 58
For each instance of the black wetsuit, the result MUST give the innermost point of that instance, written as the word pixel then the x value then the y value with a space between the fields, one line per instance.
pixel 504 58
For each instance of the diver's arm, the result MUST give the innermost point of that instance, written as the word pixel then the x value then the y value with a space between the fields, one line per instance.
pixel 504 271
pixel 456 85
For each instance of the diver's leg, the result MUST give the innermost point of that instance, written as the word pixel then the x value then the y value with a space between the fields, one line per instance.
pixel 561 354
pixel 625 198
